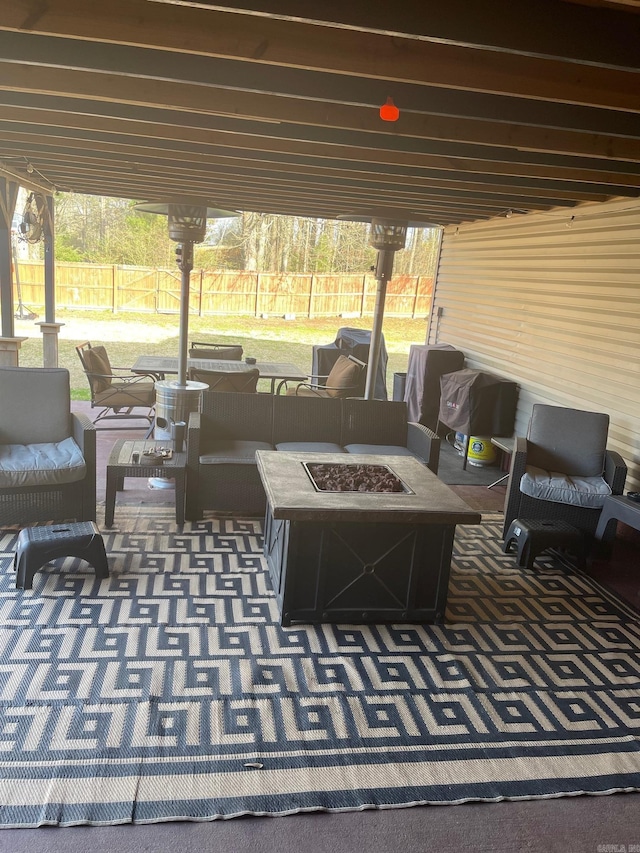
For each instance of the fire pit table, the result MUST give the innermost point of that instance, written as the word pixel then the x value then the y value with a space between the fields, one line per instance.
pixel 358 556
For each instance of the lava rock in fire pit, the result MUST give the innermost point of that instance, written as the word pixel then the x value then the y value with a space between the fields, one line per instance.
pixel 354 478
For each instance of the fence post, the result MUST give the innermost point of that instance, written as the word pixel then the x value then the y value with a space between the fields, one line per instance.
pixel 415 299
pixel 364 295
pixel 114 289
pixel 200 294
pixel 311 295
pixel 258 294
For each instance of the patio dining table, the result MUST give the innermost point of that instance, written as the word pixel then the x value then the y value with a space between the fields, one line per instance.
pixel 276 371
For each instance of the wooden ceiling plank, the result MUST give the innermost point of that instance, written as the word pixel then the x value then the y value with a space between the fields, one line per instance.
pixel 259 169
pixel 299 45
pixel 241 147
pixel 84 88
pixel 30 49
pixel 273 137
pixel 603 35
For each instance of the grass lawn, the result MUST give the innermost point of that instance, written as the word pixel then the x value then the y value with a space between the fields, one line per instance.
pixel 129 335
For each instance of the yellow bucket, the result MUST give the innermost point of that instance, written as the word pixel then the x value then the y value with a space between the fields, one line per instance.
pixel 481 451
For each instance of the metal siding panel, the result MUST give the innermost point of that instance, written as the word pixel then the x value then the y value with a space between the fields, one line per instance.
pixel 551 301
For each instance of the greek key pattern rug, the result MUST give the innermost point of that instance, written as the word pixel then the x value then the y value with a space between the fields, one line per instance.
pixel 169 691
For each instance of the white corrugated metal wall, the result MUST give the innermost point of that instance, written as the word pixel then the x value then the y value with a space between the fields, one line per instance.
pixel 552 301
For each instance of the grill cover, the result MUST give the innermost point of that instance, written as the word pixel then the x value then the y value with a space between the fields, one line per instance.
pixel 422 390
pixel 477 403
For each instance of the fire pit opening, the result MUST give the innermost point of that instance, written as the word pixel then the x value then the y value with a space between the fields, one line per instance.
pixel 328 477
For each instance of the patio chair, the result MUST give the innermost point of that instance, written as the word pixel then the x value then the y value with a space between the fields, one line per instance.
pixel 245 381
pixel 562 469
pixel 346 379
pixel 47 454
pixel 115 390
pixel 203 349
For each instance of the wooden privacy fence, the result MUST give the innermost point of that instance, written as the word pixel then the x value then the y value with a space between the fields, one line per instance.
pixel 123 288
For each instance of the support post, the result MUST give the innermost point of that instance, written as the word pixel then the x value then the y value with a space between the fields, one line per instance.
pixel 50 332
pixel 8 196
pixel 384 268
pixel 49 265
pixel 185 262
pixel 9 347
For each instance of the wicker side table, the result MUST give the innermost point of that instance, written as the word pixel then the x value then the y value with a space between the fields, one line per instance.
pixel 123 463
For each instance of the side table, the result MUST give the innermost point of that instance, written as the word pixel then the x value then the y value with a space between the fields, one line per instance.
pixel 505 445
pixel 617 508
pixel 120 465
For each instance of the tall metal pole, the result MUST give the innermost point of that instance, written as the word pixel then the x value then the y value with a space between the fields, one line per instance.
pixel 384 268
pixel 184 254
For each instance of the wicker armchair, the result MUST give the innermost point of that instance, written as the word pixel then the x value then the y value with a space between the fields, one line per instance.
pixel 562 469
pixel 47 454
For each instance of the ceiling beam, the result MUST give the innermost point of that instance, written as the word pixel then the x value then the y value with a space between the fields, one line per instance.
pixel 80 88
pixel 598 35
pixel 308 46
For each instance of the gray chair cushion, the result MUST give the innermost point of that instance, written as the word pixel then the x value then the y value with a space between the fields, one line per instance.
pixel 381 450
pixel 49 464
pixel 569 440
pixel 309 447
pixel 235 452
pixel 560 488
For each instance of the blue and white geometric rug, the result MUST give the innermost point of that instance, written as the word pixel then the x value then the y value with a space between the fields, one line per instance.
pixel 170 692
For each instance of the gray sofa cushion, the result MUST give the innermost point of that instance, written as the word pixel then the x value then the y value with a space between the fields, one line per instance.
pixel 553 486
pixel 309 447
pixel 381 449
pixel 47 464
pixel 235 452
pixel 43 413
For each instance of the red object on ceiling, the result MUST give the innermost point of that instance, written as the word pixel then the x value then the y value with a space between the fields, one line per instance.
pixel 389 111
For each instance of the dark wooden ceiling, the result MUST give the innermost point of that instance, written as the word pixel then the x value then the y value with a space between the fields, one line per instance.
pixel 504 105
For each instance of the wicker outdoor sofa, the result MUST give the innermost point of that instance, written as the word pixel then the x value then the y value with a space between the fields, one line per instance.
pixel 222 439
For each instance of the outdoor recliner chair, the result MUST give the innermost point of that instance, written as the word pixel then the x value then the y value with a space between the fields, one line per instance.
pixel 202 349
pixel 47 454
pixel 115 390
pixel 346 379
pixel 244 381
pixel 562 470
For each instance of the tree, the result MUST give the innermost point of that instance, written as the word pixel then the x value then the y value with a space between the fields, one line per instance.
pixel 108 230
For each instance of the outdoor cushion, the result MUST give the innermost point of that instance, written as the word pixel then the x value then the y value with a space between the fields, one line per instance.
pixel 42 414
pixel 230 353
pixel 309 447
pixel 235 452
pixel 97 362
pixel 344 376
pixel 589 492
pixel 381 450
pixel 569 440
pixel 47 464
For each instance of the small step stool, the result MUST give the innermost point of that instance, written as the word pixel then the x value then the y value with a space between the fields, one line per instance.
pixel 533 536
pixel 39 545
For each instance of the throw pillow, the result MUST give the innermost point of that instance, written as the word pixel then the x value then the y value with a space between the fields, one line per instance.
pixel 97 362
pixel 344 377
